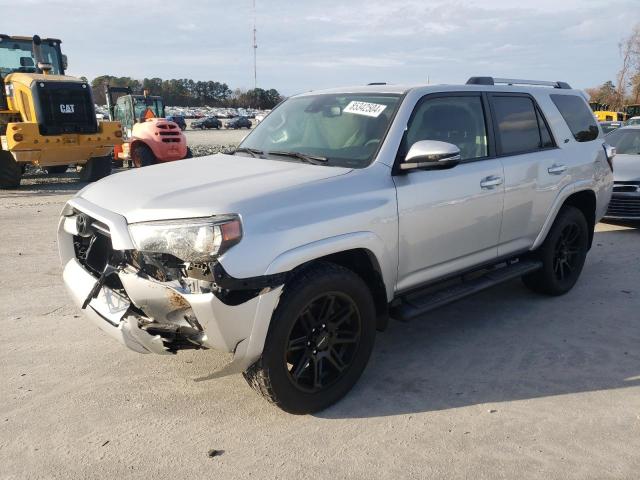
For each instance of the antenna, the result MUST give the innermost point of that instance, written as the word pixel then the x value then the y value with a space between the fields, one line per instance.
pixel 255 49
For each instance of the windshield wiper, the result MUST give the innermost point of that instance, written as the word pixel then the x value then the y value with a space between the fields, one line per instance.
pixel 313 159
pixel 253 151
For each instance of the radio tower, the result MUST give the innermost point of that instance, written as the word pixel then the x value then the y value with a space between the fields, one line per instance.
pixel 255 49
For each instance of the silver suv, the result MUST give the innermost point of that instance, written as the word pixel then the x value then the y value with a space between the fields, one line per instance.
pixel 342 209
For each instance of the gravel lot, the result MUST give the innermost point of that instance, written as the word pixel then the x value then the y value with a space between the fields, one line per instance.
pixel 505 384
pixel 212 137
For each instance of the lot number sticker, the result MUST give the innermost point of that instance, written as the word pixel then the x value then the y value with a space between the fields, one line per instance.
pixel 365 108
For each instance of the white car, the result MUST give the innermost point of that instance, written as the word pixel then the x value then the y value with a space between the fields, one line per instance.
pixel 341 209
pixel 625 201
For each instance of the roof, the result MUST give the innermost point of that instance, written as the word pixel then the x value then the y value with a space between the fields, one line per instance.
pixel 28 39
pixel 402 89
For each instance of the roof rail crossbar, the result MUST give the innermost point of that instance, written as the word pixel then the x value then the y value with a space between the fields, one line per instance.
pixel 516 81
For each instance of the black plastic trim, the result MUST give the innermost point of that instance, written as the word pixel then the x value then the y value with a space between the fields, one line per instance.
pixel 227 282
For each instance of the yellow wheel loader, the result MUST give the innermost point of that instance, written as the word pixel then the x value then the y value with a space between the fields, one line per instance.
pixel 47 118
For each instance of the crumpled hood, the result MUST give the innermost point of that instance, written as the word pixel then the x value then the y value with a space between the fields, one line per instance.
pixel 201 187
pixel 626 168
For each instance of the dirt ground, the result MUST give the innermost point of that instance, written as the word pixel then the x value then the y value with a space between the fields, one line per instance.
pixel 505 384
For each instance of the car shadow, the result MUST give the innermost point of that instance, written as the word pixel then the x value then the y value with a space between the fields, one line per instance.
pixel 508 343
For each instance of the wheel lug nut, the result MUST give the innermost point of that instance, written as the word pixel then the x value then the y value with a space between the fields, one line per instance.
pixel 315 352
pixel 324 326
pixel 308 344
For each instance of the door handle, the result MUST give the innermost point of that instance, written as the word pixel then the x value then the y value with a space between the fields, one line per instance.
pixel 556 169
pixel 491 181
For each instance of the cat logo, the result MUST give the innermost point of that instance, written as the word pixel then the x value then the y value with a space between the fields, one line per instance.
pixel 67 108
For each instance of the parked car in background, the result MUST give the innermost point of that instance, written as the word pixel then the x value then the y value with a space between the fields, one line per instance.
pixel 178 119
pixel 632 121
pixel 238 122
pixel 206 123
pixel 625 201
pixel 608 127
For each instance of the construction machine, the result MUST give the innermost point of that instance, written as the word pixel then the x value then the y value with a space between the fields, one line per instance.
pixel 149 137
pixel 604 113
pixel 46 117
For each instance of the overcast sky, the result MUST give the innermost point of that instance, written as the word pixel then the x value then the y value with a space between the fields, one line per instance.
pixel 311 44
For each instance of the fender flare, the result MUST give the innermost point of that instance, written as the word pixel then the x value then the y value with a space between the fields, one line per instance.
pixel 565 192
pixel 366 240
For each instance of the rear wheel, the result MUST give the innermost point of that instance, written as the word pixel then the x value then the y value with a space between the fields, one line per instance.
pixel 96 168
pixel 563 254
pixel 142 156
pixel 319 341
pixel 57 169
pixel 10 171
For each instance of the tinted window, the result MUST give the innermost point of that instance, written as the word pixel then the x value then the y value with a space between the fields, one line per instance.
pixel 517 122
pixel 579 118
pixel 546 140
pixel 456 120
pixel 626 141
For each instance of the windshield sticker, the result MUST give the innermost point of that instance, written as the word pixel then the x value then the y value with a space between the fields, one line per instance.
pixel 364 108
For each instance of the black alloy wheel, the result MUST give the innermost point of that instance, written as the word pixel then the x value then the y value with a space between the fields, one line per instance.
pixel 323 341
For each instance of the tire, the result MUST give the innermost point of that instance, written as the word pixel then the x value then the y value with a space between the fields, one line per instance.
pixel 142 156
pixel 96 168
pixel 189 153
pixel 10 171
pixel 54 169
pixel 563 254
pixel 326 356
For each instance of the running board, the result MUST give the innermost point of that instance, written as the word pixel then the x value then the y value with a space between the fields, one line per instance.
pixel 417 303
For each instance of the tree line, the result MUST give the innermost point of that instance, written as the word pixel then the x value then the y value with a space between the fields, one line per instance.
pixel 626 89
pixel 185 92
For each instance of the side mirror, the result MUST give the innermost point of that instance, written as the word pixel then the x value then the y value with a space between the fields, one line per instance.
pixel 65 62
pixel 431 154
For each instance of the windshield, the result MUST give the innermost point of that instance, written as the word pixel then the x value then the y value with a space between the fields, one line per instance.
pixel 346 129
pixel 626 141
pixel 17 56
pixel 147 107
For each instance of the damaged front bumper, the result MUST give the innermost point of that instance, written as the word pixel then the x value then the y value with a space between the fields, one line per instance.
pixel 152 316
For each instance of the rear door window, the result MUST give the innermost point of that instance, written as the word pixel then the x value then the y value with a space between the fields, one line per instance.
pixel 519 125
pixel 578 115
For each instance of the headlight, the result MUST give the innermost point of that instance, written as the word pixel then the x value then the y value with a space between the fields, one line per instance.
pixel 190 240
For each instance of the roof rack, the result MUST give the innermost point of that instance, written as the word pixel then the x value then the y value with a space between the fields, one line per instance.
pixel 516 81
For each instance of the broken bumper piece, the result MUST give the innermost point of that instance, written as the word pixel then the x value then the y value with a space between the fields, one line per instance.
pixel 151 319
pixel 151 316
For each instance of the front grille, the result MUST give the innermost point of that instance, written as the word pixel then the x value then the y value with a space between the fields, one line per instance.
pixel 624 206
pixel 93 249
pixel 64 107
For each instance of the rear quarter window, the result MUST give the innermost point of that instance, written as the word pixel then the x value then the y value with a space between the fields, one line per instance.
pixel 577 114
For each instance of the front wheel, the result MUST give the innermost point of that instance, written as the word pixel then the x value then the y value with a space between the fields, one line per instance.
pixel 142 156
pixel 563 254
pixel 96 168
pixel 10 171
pixel 319 341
